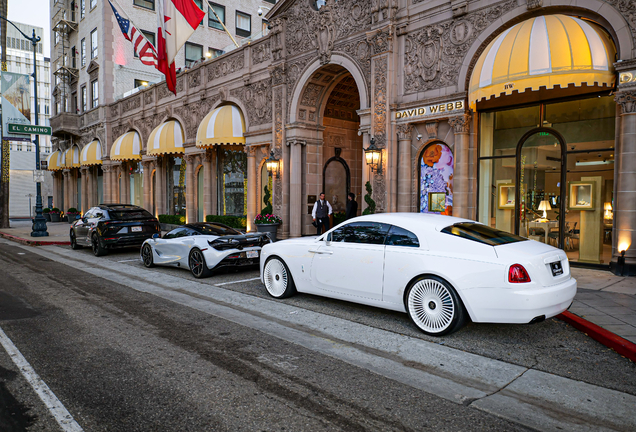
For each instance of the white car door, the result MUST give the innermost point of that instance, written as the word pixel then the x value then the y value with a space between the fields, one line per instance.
pixel 352 264
pixel 173 246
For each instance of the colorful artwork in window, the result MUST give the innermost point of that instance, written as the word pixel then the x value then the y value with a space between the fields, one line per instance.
pixel 436 176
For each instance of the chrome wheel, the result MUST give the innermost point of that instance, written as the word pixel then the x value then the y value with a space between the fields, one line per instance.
pixel 278 281
pixel 433 306
pixel 197 264
pixel 146 256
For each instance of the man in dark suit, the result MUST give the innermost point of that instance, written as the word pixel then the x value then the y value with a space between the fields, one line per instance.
pixel 352 206
pixel 320 214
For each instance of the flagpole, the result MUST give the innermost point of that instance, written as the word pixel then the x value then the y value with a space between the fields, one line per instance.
pixel 224 28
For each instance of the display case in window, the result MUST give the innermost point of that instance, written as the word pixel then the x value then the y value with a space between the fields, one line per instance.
pixel 506 196
pixel 581 196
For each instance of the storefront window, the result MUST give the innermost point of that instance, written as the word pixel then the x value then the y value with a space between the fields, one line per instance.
pixel 234 182
pixel 176 186
pixel 136 183
pixel 436 179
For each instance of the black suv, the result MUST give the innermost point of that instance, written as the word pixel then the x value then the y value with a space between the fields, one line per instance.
pixel 110 226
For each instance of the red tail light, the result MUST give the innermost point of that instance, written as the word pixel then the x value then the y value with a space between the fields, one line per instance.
pixel 518 274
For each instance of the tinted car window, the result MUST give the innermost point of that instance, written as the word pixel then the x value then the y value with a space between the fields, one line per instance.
pixel 401 237
pixel 361 232
pixel 177 232
pixel 89 214
pixel 214 229
pixel 130 214
pixel 482 234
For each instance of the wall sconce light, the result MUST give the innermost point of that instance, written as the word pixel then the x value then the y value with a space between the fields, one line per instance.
pixel 373 156
pixel 272 164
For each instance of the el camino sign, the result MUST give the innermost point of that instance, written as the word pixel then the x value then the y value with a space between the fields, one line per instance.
pixel 28 129
pixel 431 110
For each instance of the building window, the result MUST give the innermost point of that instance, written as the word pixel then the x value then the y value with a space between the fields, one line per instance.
pixel 200 4
pixel 265 27
pixel 148 4
pixel 73 58
pixel 84 98
pixel 214 53
pixel 94 94
pixel 94 44
pixel 56 39
pixel 82 8
pixel 271 1
pixel 83 52
pixel 151 38
pixel 193 53
pixel 93 4
pixel 140 83
pixel 243 24
pixel 220 11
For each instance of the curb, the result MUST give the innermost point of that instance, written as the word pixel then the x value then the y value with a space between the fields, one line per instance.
pixel 33 242
pixel 607 338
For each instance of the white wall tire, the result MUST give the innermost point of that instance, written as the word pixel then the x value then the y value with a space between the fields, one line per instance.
pixel 278 279
pixel 434 306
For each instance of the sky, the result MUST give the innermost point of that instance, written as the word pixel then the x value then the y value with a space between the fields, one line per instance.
pixel 35 12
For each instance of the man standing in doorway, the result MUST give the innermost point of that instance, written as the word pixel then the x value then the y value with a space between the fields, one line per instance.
pixel 320 214
pixel 352 206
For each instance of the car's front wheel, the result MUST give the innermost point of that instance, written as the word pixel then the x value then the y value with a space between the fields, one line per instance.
pixel 146 256
pixel 434 306
pixel 278 279
pixel 198 267
pixel 74 244
pixel 98 248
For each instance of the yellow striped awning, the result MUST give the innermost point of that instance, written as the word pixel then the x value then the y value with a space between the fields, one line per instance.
pixel 167 138
pixel 91 154
pixel 72 157
pixel 126 147
pixel 544 51
pixel 224 125
pixel 55 161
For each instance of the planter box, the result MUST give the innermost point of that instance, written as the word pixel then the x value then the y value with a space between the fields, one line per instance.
pixel 271 229
pixel 55 217
pixel 72 217
pixel 47 216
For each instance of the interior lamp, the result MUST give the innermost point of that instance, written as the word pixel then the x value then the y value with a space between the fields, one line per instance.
pixel 608 210
pixel 545 206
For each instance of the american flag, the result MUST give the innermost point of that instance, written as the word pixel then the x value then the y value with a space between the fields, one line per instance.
pixel 142 46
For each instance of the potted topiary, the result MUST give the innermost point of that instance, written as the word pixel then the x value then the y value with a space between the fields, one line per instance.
pixel 72 214
pixel 45 213
pixel 268 223
pixel 55 214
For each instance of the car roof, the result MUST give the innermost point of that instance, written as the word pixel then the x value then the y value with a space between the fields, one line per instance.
pixel 119 207
pixel 412 221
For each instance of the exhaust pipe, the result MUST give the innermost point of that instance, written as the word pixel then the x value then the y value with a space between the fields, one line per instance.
pixel 537 319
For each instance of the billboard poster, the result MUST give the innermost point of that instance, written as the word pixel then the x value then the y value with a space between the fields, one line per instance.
pixel 16 103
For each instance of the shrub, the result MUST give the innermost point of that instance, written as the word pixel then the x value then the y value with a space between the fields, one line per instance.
pixel 46 210
pixel 55 210
pixel 231 221
pixel 338 218
pixel 266 200
pixel 72 210
pixel 367 198
pixel 172 219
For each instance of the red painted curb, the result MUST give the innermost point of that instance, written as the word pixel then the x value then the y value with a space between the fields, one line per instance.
pixel 33 242
pixel 607 338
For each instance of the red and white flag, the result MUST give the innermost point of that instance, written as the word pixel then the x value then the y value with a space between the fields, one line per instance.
pixel 176 21
pixel 143 48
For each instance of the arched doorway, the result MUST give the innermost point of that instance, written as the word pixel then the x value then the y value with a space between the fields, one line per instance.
pixel 336 180
pixel 435 177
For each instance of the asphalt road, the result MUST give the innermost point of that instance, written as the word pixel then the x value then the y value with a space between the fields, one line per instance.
pixel 125 348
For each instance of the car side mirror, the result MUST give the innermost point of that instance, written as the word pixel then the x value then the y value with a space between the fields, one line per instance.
pixel 156 236
pixel 328 239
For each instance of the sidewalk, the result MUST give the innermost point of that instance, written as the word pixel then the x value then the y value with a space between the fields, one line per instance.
pixel 604 307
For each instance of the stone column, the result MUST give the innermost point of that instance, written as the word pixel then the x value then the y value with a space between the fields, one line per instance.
pixel 251 187
pixel 160 185
pixel 90 187
pixel 105 184
pixel 115 183
pixel 67 189
pixel 58 199
pixel 461 125
pixel 209 183
pixel 84 197
pixel 295 187
pixel 190 187
pixel 404 168
pixel 365 173
pixel 147 167
pixel 624 191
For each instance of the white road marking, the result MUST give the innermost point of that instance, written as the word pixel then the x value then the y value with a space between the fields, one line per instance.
pixel 21 253
pixel 130 260
pixel 238 281
pixel 53 404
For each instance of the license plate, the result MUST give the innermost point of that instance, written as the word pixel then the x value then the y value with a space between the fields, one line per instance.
pixel 251 254
pixel 557 269
pixel 136 229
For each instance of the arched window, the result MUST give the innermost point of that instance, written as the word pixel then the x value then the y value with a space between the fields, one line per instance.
pixel 436 179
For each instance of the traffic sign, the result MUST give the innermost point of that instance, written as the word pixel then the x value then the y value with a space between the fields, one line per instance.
pixel 28 129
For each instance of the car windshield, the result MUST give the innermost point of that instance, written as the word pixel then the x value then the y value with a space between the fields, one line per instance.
pixel 214 229
pixel 482 233
pixel 129 214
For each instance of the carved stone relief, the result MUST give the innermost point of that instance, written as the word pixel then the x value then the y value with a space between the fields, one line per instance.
pixel 276 38
pixel 381 41
pixel 256 98
pixel 228 66
pixel 627 101
pixel 148 97
pixel 194 79
pixel 131 104
pixel 404 131
pixel 627 8
pixel 361 52
pixel 193 113
pixel 434 54
pixel 380 101
pixel 278 74
pixel 431 129
pixel 310 95
pixel 461 124
pixel 261 53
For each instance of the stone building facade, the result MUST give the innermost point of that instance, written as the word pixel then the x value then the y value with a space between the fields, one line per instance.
pixel 469 120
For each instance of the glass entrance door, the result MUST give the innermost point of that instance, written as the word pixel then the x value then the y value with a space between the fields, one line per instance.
pixel 540 156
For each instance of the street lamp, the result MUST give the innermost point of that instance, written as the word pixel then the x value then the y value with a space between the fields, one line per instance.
pixel 272 164
pixel 39 223
pixel 373 156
